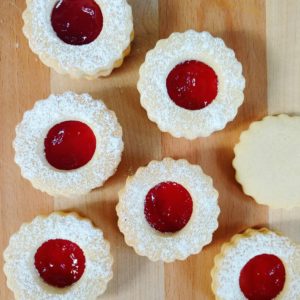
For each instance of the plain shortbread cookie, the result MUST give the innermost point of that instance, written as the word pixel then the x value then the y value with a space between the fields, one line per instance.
pixel 267 161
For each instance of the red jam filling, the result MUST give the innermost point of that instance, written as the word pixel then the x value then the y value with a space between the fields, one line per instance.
pixel 192 85
pixel 69 145
pixel 77 22
pixel 168 207
pixel 263 277
pixel 59 262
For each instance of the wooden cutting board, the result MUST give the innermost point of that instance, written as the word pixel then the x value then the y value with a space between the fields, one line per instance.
pixel 265 36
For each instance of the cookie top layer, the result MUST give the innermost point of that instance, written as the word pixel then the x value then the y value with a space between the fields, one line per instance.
pixel 171 65
pixel 243 247
pixel 91 60
pixel 32 131
pixel 132 209
pixel 22 276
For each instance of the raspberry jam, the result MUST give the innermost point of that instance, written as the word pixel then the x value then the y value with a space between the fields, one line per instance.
pixel 192 85
pixel 263 277
pixel 77 22
pixel 168 207
pixel 69 145
pixel 59 262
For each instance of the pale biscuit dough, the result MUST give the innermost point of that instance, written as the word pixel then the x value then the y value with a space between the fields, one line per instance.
pixel 267 161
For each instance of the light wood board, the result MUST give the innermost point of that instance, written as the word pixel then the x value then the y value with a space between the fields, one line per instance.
pixel 269 51
pixel 283 49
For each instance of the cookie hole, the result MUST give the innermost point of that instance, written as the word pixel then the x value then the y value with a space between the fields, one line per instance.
pixel 60 263
pixel 77 22
pixel 192 85
pixel 69 145
pixel 168 207
pixel 262 278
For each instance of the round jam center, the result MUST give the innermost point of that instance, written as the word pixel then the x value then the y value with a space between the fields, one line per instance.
pixel 168 207
pixel 77 22
pixel 59 262
pixel 263 277
pixel 192 85
pixel 69 145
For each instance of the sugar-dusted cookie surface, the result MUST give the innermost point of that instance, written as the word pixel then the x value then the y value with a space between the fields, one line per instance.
pixel 167 238
pixel 48 22
pixel 191 84
pixel 20 265
pixel 34 141
pixel 273 261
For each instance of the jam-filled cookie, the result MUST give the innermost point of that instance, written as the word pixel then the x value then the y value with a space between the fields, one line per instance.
pixel 168 210
pixel 68 144
pixel 257 265
pixel 191 84
pixel 58 257
pixel 82 38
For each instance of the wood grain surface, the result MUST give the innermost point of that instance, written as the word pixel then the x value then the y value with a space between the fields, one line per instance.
pixel 283 57
pixel 268 49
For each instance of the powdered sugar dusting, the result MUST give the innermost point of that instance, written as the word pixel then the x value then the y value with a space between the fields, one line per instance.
pixel 180 47
pixel 241 249
pixel 24 280
pixel 31 132
pixel 87 60
pixel 168 247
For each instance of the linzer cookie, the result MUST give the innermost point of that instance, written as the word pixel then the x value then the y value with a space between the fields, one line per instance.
pixel 191 84
pixel 168 210
pixel 68 144
pixel 82 38
pixel 60 256
pixel 258 264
